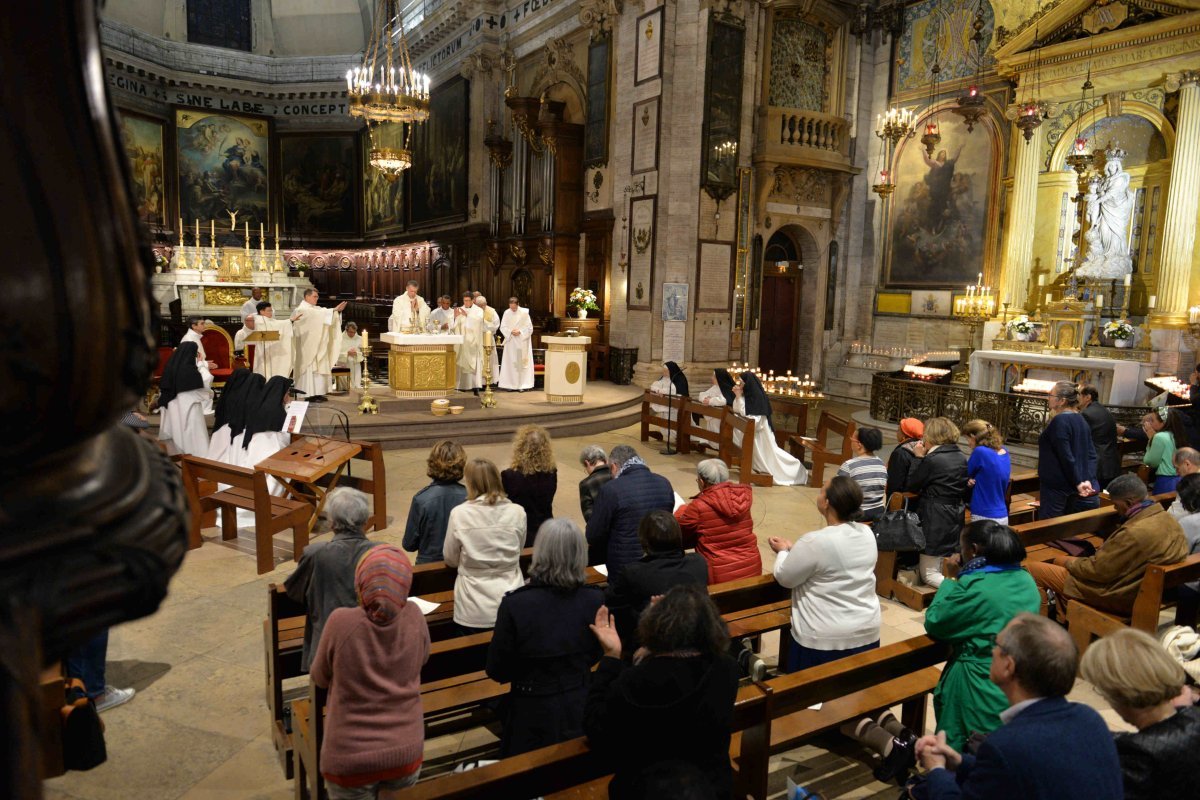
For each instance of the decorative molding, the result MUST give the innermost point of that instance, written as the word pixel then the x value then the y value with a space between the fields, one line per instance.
pixel 477 64
pixel 558 64
pixel 1175 80
pixel 598 15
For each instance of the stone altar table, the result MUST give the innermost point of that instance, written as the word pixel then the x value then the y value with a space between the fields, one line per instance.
pixel 1119 382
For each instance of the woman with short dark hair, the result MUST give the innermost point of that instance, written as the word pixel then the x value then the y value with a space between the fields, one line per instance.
pixel 674 702
pixel 542 645
pixel 831 572
pixel 991 589
pixel 429 513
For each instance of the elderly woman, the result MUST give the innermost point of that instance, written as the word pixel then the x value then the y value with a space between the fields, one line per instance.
pixel 1133 672
pixel 940 479
pixel 429 514
pixel 831 572
pixel 1066 457
pixel 484 537
pixel 542 645
pixel 370 660
pixel 532 479
pixel 968 612
pixel 595 464
pixel 674 702
pixel 903 459
pixel 324 578
pixel 717 521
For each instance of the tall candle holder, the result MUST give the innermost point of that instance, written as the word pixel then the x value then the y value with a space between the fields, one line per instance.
pixel 366 403
pixel 488 400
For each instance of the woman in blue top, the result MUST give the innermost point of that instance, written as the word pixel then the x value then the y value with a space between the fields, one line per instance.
pixel 988 471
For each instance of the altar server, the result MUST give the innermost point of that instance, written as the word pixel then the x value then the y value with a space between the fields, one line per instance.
pixel 516 371
pixel 468 323
pixel 181 400
pixel 251 306
pixel 443 316
pixel 316 346
pixel 751 401
pixel 409 310
pixel 273 358
pixel 717 395
pixel 351 354
pixel 232 400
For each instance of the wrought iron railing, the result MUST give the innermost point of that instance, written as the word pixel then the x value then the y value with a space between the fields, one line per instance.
pixel 1019 418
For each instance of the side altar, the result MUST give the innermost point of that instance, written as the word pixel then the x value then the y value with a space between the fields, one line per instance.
pixel 421 364
pixel 214 281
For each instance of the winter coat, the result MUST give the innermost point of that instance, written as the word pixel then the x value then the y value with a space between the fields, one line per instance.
pixel 484 542
pixel 612 531
pixel 940 478
pixel 718 521
pixel 1163 759
pixel 630 590
pixel 589 489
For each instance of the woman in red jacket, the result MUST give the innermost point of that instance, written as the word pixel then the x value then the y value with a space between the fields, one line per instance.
pixel 718 521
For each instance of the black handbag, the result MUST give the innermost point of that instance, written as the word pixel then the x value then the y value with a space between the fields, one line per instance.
pixel 899 531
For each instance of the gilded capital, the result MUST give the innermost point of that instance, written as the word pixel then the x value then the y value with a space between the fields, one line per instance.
pixel 1173 81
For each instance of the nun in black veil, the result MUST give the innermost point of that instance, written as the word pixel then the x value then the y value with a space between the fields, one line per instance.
pixel 751 401
pixel 239 389
pixel 674 383
pixel 182 392
pixel 717 395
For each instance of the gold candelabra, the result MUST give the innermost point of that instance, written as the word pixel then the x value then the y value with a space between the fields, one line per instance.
pixel 488 400
pixel 366 403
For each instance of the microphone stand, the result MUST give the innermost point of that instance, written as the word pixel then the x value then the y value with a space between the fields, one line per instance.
pixel 669 451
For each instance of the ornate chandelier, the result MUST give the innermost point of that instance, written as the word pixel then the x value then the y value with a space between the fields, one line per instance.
pixel 385 89
pixel 895 125
pixel 970 104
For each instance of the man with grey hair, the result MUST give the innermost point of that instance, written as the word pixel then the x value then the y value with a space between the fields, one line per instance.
pixel 595 463
pixel 1033 663
pixel 1187 462
pixel 1110 579
pixel 718 522
pixel 324 578
pixel 635 491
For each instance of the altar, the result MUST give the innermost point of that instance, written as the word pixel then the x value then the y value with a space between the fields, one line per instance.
pixel 1119 382
pixel 202 294
pixel 421 364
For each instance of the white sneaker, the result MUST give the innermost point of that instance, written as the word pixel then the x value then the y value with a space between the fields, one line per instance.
pixel 113 697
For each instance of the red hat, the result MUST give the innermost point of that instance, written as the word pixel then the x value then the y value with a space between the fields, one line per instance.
pixel 912 428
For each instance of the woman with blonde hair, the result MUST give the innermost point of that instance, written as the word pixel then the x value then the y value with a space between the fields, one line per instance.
pixel 532 479
pixel 988 471
pixel 940 479
pixel 1135 674
pixel 484 538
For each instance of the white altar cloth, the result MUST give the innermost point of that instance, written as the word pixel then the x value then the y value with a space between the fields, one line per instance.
pixel 1119 382
pixel 392 337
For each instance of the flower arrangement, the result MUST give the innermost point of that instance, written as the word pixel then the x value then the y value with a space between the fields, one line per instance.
pixel 582 298
pixel 1119 329
pixel 1022 325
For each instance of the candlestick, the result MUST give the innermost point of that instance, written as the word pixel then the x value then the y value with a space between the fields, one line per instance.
pixel 1099 301
pixel 212 233
pixel 979 280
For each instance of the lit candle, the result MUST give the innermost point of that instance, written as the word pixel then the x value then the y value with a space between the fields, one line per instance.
pixel 181 226
pixel 1127 277
pixel 364 340
pixel 979 280
pixel 213 231
pixel 1048 298
pixel 1153 301
pixel 197 232
pixel 1041 280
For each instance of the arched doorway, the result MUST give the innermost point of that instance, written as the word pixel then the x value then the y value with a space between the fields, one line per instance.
pixel 782 295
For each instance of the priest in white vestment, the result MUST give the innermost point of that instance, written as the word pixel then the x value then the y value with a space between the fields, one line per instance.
pixel 351 354
pixel 516 370
pixel 751 401
pixel 182 390
pixel 239 338
pixel 491 324
pixel 273 358
pixel 409 311
pixel 468 355
pixel 195 334
pixel 442 317
pixel 316 344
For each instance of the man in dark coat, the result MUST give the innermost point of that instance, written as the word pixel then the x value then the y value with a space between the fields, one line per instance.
pixel 635 491
pixel 596 464
pixel 1104 434
pixel 1034 663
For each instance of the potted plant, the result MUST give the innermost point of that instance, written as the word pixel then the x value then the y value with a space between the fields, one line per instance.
pixel 582 301
pixel 1120 332
pixel 1023 329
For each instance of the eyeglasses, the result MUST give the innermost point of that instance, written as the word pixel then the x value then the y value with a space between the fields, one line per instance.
pixel 995 640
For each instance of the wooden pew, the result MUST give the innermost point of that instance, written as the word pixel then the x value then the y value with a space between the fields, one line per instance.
pixel 768 717
pixel 887 569
pixel 696 430
pixel 821 454
pixel 651 418
pixel 1088 623
pixel 741 457
pixel 1024 487
pixel 247 490
pixel 283 643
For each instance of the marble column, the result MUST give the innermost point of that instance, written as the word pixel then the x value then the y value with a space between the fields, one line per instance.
pixel 1017 256
pixel 1183 193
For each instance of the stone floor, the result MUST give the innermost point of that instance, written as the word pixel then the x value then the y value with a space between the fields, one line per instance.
pixel 198 727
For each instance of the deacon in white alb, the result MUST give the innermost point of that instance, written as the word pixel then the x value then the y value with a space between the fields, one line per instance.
pixel 316 347
pixel 239 338
pixel 275 358
pixel 491 324
pixel 468 356
pixel 409 310
pixel 516 372
pixel 251 306
pixel 443 316
pixel 195 333
pixel 351 354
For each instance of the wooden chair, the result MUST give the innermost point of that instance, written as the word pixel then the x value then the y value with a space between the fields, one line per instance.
pixel 819 448
pixel 247 490
pixel 218 346
pixel 741 457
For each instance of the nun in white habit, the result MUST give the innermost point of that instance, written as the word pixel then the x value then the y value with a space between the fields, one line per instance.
pixel 182 392
pixel 751 401
pixel 240 393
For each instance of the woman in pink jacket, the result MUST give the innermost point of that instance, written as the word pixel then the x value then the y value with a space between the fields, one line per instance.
pixel 718 522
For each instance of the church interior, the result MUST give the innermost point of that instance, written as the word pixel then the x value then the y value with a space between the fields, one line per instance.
pixel 878 211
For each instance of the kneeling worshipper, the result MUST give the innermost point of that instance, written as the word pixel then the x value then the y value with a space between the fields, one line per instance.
pixel 674 383
pixel 264 435
pixel 271 359
pixel 717 395
pixel 240 393
pixel 516 370
pixel 351 355
pixel 182 391
pixel 751 401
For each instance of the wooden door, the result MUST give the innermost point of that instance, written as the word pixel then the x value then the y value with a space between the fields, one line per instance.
pixel 777 334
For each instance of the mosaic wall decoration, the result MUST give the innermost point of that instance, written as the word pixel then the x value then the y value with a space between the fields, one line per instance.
pixel 939 31
pixel 798 66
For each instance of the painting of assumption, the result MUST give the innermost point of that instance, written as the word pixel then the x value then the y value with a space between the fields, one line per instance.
pixel 939 220
pixel 143 140
pixel 318 183
pixel 222 166
pixel 438 178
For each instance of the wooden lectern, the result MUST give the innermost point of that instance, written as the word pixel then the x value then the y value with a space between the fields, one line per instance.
pixel 264 338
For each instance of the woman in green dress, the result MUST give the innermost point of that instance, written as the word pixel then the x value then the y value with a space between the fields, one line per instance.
pixel 968 612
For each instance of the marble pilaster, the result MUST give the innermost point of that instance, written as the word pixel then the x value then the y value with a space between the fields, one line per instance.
pixel 1017 256
pixel 1183 195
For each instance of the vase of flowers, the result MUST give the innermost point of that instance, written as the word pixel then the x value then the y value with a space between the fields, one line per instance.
pixel 1023 329
pixel 1120 332
pixel 582 301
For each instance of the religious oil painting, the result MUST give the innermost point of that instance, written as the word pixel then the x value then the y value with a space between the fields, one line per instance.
pixel 223 166
pixel 383 196
pixel 318 184
pixel 438 177
pixel 940 221
pixel 143 141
